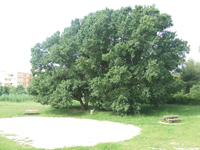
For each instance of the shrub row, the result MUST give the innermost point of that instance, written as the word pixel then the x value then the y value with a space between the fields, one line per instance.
pixel 12 90
pixel 192 98
pixel 15 97
pixel 183 99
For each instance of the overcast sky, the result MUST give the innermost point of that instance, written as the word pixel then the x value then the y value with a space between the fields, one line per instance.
pixel 23 23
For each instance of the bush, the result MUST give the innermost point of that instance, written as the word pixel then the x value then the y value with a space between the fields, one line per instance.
pixel 195 91
pixel 4 90
pixel 179 99
pixel 16 97
pixel 192 98
pixel 14 94
pixel 17 90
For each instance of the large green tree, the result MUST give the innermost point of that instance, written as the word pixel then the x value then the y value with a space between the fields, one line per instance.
pixel 115 59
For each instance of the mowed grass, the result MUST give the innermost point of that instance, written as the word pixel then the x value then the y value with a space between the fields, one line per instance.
pixel 153 134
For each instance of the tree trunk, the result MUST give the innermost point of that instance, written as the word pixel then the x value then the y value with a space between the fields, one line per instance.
pixel 86 100
pixel 84 106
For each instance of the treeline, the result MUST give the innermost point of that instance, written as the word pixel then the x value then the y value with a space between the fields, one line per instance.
pixel 14 94
pixel 186 85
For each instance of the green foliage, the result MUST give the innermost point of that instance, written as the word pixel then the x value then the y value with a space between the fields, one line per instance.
pixel 4 90
pixel 15 97
pixel 195 92
pixel 117 60
pixel 183 99
pixel 179 98
pixel 17 90
pixel 192 98
pixel 191 74
pixel 14 94
pixel 12 90
pixel 177 85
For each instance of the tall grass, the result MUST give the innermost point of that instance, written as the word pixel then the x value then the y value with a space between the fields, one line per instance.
pixel 16 97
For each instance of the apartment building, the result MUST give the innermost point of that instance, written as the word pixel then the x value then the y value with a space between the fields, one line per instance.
pixel 8 78
pixel 24 79
pixel 15 78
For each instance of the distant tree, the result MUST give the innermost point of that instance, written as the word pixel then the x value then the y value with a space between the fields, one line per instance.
pixel 195 90
pixel 116 60
pixel 191 74
pixel 4 90
pixel 177 85
pixel 17 90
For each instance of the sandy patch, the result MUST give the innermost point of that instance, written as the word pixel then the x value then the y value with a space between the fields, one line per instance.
pixel 50 133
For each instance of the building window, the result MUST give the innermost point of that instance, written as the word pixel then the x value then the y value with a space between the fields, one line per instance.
pixel 20 75
pixel 8 79
pixel 10 75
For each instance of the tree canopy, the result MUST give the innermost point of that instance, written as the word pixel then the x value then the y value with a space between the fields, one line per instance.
pixel 114 59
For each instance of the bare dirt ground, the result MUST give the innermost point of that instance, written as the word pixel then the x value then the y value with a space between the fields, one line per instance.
pixel 50 133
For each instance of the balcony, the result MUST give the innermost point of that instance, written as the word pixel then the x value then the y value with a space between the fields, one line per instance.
pixel 8 81
pixel 10 75
pixel 8 84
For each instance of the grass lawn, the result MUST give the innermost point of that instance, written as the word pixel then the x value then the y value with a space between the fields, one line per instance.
pixel 153 134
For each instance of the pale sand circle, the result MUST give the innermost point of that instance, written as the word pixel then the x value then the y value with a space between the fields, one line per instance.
pixel 50 133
